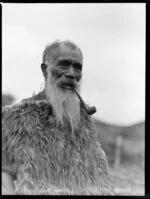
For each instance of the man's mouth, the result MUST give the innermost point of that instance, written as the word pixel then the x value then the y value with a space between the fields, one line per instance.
pixel 68 85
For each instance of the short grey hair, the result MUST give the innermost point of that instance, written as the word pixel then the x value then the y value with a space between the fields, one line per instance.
pixel 51 49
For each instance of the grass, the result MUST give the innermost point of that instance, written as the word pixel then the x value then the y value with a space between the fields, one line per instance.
pixel 129 180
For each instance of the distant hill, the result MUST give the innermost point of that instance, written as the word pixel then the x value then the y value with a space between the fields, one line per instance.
pixel 133 140
pixel 136 131
pixel 7 99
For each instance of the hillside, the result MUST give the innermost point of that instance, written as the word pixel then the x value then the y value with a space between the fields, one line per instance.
pixel 131 139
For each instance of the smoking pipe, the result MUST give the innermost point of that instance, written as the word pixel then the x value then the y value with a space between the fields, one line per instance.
pixel 91 110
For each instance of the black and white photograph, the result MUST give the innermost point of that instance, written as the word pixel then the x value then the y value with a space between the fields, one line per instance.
pixel 73 99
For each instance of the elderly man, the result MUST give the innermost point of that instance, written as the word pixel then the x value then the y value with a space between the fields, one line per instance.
pixel 49 141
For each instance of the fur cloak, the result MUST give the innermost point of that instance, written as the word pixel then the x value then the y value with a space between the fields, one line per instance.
pixel 47 158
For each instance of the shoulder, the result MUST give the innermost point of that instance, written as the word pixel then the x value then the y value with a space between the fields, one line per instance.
pixel 38 97
pixel 7 109
pixel 18 111
pixel 24 114
pixel 23 117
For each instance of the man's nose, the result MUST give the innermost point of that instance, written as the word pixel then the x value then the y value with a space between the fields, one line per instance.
pixel 70 74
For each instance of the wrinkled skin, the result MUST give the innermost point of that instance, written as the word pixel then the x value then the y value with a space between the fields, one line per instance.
pixel 65 68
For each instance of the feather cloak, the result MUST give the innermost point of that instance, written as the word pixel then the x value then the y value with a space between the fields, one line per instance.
pixel 46 158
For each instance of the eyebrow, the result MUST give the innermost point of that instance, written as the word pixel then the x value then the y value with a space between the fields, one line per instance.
pixel 62 61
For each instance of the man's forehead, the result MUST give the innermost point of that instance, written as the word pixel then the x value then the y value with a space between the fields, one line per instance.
pixel 67 53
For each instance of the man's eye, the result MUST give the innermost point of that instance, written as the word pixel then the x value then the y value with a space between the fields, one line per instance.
pixel 64 64
pixel 77 66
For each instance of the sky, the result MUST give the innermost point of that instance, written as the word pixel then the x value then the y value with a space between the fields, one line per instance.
pixel 111 37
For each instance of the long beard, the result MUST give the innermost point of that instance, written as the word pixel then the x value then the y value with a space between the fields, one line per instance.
pixel 65 103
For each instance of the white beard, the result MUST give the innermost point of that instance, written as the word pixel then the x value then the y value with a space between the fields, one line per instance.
pixel 65 104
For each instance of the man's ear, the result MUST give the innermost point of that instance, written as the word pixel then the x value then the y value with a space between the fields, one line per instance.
pixel 44 69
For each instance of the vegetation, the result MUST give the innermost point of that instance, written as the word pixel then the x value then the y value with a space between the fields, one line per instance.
pixel 125 149
pixel 7 99
pixel 129 180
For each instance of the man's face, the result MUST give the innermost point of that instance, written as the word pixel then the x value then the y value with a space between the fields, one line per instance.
pixel 67 68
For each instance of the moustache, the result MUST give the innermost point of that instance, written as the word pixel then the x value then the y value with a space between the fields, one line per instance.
pixel 67 83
